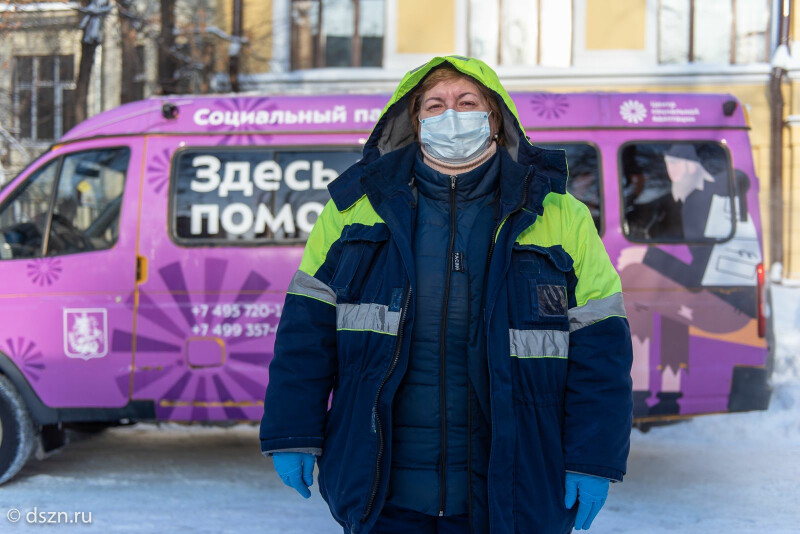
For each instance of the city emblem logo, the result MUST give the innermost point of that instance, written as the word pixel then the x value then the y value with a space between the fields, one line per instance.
pixel 85 333
pixel 632 111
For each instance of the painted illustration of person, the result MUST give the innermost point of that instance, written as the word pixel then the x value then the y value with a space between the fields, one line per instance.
pixel 679 195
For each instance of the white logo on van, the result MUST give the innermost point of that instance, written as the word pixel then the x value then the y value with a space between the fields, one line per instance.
pixel 85 332
pixel 632 111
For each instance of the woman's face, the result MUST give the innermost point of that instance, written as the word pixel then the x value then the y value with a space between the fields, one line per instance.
pixel 459 94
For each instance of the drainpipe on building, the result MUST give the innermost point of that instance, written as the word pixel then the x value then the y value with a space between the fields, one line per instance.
pixel 779 63
pixel 92 25
pixel 235 48
pixel 167 65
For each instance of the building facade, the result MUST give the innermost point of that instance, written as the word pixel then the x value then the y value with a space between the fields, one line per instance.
pixel 40 55
pixel 720 46
pixel 344 46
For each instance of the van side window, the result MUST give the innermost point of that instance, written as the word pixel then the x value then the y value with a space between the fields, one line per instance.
pixel 676 192
pixel 23 219
pixel 88 201
pixel 243 195
pixel 584 176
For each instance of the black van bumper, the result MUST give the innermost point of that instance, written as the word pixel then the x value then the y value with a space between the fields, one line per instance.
pixel 750 389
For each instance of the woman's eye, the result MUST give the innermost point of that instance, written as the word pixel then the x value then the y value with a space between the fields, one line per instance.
pixel 468 104
pixel 435 107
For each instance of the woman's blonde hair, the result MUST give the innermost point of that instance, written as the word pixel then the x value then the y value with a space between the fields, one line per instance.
pixel 448 73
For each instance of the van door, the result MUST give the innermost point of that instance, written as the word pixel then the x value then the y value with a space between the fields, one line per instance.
pixel 688 269
pixel 67 272
pixel 222 235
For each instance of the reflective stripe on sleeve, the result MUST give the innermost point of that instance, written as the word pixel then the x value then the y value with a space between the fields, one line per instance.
pixel 539 343
pixel 596 310
pixel 367 316
pixel 307 286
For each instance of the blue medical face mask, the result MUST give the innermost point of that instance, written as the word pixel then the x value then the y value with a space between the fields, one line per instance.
pixel 456 136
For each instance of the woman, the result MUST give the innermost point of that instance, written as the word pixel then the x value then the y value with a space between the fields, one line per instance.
pixel 461 307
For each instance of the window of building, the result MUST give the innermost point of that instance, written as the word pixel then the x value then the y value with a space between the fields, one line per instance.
pixel 714 31
pixel 583 161
pixel 498 34
pixel 239 195
pixel 678 192
pixel 337 33
pixel 83 215
pixel 44 96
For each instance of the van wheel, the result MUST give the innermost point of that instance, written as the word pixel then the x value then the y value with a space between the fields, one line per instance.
pixel 17 433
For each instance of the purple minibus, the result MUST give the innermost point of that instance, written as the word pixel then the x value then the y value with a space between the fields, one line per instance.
pixel 145 257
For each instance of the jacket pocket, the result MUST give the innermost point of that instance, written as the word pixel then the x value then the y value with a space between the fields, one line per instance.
pixel 538 282
pixel 343 483
pixel 354 278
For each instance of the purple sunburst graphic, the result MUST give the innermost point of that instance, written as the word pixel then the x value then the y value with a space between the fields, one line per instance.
pixel 158 170
pixel 168 329
pixel 27 357
pixel 549 105
pixel 238 106
pixel 44 271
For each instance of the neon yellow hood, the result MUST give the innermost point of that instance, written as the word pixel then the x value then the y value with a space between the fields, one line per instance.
pixel 393 130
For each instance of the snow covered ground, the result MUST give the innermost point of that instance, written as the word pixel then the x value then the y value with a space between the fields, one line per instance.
pixel 733 474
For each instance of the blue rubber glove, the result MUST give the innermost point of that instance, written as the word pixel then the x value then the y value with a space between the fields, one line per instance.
pixel 296 469
pixel 591 492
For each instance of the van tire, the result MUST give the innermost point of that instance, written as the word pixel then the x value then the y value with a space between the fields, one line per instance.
pixel 17 432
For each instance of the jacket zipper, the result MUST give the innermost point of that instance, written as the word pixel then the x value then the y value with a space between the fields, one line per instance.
pixel 469 423
pixel 443 348
pixel 376 416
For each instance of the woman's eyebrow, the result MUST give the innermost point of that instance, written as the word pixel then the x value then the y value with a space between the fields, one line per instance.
pixel 440 99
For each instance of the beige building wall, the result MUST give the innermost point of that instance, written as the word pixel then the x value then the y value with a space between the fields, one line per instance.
pixel 615 25
pixel 791 156
pixel 257 28
pixel 417 29
pixel 620 27
pixel 425 27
